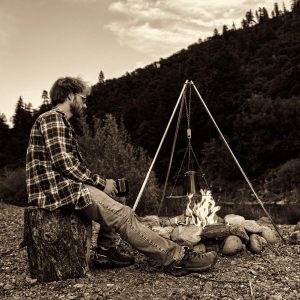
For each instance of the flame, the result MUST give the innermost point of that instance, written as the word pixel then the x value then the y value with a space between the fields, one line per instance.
pixel 201 213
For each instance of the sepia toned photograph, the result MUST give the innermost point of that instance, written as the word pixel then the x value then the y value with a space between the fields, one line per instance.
pixel 150 149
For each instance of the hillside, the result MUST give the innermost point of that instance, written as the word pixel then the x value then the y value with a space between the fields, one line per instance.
pixel 248 79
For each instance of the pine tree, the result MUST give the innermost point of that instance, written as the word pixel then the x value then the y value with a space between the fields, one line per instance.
pixel 250 18
pixel 276 10
pixel 225 29
pixel 4 141
pixel 45 97
pixel 22 123
pixel 216 32
pixel 101 78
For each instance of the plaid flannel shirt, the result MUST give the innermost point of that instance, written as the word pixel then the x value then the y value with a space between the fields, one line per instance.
pixel 55 171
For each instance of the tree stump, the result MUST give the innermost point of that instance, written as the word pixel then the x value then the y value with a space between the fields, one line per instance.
pixel 58 243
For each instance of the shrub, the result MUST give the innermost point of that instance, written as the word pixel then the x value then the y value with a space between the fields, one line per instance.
pixel 13 187
pixel 285 178
pixel 109 153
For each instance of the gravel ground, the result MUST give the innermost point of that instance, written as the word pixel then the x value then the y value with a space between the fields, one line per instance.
pixel 270 275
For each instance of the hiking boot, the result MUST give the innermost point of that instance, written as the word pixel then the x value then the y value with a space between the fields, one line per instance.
pixel 193 262
pixel 111 258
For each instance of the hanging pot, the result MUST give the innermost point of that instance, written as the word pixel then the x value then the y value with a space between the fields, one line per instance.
pixel 191 184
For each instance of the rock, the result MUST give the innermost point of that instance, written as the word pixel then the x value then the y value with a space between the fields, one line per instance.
pixel 297 227
pixel 178 220
pixel 269 235
pixel 218 219
pixel 295 237
pixel 163 231
pixel 255 243
pixel 264 221
pixel 239 231
pixel 232 245
pixel 251 226
pixel 186 235
pixel 233 219
pixel 165 221
pixel 150 221
pixel 200 248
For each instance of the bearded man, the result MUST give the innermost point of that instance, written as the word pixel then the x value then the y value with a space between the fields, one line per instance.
pixel 57 177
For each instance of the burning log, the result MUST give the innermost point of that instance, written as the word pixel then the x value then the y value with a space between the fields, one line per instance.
pixel 221 231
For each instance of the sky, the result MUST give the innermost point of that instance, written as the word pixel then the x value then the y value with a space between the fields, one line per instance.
pixel 42 40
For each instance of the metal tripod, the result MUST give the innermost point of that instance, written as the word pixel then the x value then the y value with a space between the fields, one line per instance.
pixel 222 137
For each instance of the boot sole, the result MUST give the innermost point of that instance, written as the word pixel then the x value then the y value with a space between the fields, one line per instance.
pixel 105 262
pixel 186 271
pixel 183 272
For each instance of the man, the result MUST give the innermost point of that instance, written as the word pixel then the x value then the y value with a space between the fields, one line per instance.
pixel 57 177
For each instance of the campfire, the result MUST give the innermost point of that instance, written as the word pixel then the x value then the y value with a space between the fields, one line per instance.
pixel 201 213
pixel 200 228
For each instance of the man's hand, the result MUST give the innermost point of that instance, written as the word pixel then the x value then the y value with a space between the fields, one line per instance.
pixel 110 187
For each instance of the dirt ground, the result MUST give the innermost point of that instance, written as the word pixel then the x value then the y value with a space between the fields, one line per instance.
pixel 274 274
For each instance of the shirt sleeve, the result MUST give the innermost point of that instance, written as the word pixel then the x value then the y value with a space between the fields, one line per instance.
pixel 58 141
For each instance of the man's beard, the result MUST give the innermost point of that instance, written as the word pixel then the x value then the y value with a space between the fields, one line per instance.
pixel 76 111
pixel 77 119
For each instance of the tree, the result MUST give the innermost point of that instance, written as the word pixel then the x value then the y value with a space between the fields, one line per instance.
pixel 250 18
pixel 225 29
pixel 244 24
pixel 45 97
pixel 101 78
pixel 4 141
pixel 276 10
pixel 22 121
pixel 216 32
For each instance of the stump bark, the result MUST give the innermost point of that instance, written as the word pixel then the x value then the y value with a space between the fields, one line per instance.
pixel 58 243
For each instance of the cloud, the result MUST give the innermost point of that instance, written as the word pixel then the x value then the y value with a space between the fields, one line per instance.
pixel 7 28
pixel 166 26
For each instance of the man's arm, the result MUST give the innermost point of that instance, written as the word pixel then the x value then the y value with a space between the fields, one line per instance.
pixel 58 141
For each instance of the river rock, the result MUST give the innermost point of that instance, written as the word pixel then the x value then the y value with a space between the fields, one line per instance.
pixel 264 221
pixel 251 226
pixel 297 227
pixel 186 235
pixel 163 231
pixel 269 235
pixel 239 231
pixel 232 245
pixel 295 237
pixel 233 219
pixel 255 243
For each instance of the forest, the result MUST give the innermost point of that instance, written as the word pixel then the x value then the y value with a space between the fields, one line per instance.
pixel 249 80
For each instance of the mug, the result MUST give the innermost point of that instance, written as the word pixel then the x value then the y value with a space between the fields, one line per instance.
pixel 122 187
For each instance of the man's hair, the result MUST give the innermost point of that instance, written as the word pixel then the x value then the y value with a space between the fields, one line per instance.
pixel 65 86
